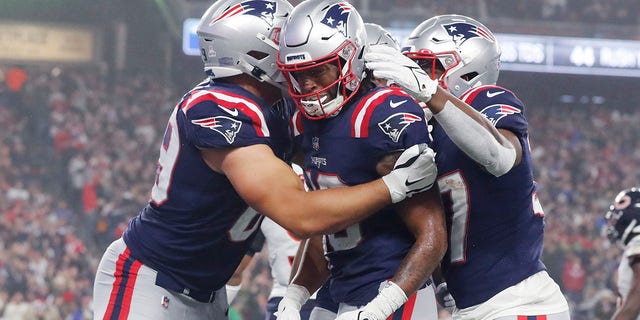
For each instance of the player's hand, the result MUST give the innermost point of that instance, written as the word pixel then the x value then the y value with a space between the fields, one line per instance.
pixel 388 63
pixel 444 297
pixel 390 297
pixel 290 305
pixel 415 171
pixel 287 313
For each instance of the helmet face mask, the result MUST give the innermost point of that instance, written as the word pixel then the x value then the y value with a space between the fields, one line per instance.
pixel 467 51
pixel 623 217
pixel 241 37
pixel 319 33
pixel 322 102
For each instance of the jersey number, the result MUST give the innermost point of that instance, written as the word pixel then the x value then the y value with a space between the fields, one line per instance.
pixel 455 192
pixel 347 238
pixel 248 223
pixel 168 156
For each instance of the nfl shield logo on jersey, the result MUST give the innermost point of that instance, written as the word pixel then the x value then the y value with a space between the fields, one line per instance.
pixel 315 143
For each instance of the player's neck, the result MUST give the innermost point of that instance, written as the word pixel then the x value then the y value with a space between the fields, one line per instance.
pixel 262 90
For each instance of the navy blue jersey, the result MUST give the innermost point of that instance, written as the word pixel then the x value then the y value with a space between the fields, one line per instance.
pixel 343 150
pixel 196 228
pixel 495 224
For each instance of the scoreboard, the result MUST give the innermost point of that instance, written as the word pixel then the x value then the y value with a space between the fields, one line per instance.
pixel 587 56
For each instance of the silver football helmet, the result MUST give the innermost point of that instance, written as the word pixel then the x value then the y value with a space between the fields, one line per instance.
pixel 377 35
pixel 463 48
pixel 241 36
pixel 316 34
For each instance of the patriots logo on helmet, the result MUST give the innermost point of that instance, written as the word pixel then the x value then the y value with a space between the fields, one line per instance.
pixel 498 111
pixel 337 16
pixel 462 31
pixel 226 126
pixel 394 125
pixel 261 9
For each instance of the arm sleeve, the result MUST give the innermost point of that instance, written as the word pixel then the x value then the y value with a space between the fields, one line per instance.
pixel 475 141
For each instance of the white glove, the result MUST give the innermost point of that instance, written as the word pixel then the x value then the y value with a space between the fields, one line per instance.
pixel 290 305
pixel 388 63
pixel 444 297
pixel 390 297
pixel 414 172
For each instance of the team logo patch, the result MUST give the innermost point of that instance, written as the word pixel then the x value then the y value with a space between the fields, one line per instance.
pixel 226 126
pixel 337 16
pixel 462 31
pixel 394 125
pixel 498 111
pixel 261 9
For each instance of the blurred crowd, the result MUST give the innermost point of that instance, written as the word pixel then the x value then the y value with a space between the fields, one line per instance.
pixel 78 155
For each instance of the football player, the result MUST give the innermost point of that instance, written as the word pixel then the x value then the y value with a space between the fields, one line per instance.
pixel 495 221
pixel 349 129
pixel 222 157
pixel 623 228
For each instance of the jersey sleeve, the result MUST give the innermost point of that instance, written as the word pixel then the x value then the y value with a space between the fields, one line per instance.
pixel 218 119
pixel 501 106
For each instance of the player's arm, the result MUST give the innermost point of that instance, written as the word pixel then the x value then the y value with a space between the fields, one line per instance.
pixel 424 217
pixel 270 187
pixel 497 150
pixel 234 284
pixel 466 127
pixel 309 266
pixel 630 308
pixel 308 272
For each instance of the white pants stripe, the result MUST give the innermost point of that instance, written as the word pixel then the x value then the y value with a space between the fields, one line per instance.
pixel 125 289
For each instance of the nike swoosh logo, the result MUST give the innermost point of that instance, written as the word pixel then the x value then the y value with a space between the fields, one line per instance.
pixel 394 104
pixel 493 94
pixel 233 112
pixel 410 183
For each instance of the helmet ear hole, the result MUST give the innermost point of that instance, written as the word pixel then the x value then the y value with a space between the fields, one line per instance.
pixel 258 55
pixel 469 76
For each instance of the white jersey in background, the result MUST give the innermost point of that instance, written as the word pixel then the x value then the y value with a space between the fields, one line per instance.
pixel 282 247
pixel 625 274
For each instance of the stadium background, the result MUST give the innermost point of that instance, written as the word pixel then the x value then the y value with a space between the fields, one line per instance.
pixel 86 88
